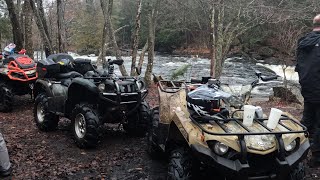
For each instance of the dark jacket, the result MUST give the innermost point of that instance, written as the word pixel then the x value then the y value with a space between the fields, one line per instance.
pixel 308 66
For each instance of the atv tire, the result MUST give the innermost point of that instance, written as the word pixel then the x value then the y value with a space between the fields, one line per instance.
pixel 138 122
pixel 153 149
pixel 45 120
pixel 180 165
pixel 6 98
pixel 298 172
pixel 85 126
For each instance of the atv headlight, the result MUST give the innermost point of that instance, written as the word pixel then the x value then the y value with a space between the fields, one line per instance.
pixel 140 85
pixel 219 148
pixel 102 87
pixel 291 146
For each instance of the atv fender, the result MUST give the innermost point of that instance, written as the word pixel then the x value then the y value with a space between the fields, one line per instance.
pixel 55 92
pixel 42 86
pixel 81 90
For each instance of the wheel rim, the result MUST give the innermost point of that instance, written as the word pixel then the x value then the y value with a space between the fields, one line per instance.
pixel 80 125
pixel 40 112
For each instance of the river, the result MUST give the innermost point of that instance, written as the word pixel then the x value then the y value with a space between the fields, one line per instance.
pixel 235 70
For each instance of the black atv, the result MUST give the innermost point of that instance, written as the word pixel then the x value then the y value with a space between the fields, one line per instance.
pixel 89 97
pixel 17 75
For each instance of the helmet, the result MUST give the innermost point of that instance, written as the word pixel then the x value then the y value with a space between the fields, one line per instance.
pixel 8 50
pixel 206 100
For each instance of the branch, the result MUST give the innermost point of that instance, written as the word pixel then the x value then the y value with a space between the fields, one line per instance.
pixel 120 28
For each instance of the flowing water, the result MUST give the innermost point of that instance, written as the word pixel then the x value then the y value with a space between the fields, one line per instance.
pixel 235 70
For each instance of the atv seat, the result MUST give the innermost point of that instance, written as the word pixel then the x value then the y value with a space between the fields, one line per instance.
pixel 68 75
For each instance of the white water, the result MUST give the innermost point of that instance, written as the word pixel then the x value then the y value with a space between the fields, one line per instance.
pixel 278 69
pixel 235 70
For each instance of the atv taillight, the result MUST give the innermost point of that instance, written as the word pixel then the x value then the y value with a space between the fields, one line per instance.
pixel 216 110
pixel 44 69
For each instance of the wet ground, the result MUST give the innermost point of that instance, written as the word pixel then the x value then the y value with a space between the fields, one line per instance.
pixel 39 155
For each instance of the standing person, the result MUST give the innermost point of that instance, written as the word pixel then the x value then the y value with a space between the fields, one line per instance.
pixel 308 68
pixel 5 165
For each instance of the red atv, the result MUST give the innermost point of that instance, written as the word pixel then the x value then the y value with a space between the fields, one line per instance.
pixel 17 75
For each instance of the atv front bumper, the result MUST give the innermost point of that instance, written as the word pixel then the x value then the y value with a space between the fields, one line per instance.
pixel 120 99
pixel 235 168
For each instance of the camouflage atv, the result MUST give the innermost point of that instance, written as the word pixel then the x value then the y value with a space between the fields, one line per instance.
pixel 218 142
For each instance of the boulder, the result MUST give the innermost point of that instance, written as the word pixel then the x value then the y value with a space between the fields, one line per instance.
pixel 256 56
pixel 266 52
pixel 290 94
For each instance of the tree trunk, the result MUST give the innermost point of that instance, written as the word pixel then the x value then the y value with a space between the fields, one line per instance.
pixel 61 27
pixel 0 40
pixel 212 44
pixel 107 18
pixel 151 43
pixel 28 16
pixel 143 51
pixel 105 36
pixel 135 39
pixel 42 25
pixel 16 29
pixel 43 18
pixel 103 52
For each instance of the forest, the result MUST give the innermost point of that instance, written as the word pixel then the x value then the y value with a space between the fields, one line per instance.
pixel 202 36
pixel 211 28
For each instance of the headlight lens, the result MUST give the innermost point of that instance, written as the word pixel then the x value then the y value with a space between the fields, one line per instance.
pixel 220 148
pixel 140 85
pixel 291 146
pixel 102 87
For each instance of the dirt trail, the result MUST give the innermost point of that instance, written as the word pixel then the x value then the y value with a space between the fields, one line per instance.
pixel 39 155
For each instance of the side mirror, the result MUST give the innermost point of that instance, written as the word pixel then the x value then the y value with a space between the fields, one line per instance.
pixel 265 78
pixel 258 73
pixel 138 71
pixel 118 62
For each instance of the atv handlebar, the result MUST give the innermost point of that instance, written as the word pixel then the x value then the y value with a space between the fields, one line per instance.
pixel 204 80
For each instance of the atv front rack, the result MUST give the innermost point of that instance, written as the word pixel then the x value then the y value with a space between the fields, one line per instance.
pixel 117 98
pixel 278 134
pixel 220 122
pixel 18 74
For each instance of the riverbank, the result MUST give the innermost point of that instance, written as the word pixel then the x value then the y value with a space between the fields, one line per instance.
pixel 261 54
pixel 53 155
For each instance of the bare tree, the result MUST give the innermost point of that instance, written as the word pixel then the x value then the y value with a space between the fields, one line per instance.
pixel 16 29
pixel 151 38
pixel 141 58
pixel 135 38
pixel 38 11
pixel 61 26
pixel 111 33
pixel 28 19
pixel 105 36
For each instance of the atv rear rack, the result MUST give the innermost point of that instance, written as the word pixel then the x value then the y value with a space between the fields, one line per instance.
pixel 171 86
